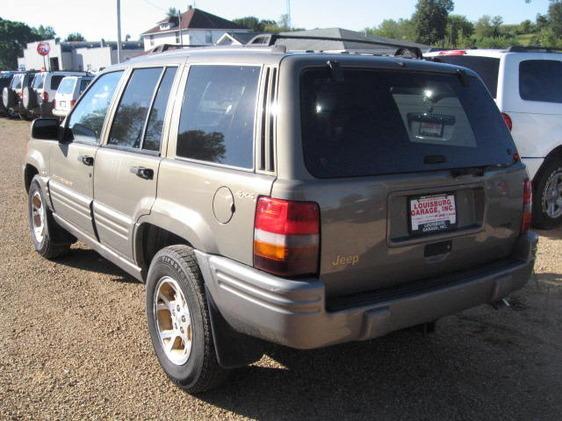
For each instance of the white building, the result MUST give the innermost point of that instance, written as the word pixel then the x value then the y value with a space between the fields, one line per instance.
pixel 194 27
pixel 77 55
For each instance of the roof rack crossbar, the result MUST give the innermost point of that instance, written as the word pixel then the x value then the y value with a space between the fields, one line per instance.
pixel 400 47
pixel 522 49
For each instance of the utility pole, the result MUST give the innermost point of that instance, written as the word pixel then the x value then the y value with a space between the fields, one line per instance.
pixel 289 14
pixel 179 27
pixel 118 31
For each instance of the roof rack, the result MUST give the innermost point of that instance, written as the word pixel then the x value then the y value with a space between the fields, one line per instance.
pixel 401 49
pixel 537 49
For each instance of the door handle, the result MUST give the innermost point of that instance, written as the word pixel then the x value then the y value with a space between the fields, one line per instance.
pixel 86 160
pixel 142 172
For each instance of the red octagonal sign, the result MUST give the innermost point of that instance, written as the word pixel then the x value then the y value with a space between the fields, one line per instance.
pixel 43 48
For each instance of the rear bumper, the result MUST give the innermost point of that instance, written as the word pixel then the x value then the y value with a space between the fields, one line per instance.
pixel 294 313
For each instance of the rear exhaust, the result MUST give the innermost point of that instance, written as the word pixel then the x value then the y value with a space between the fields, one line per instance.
pixel 501 304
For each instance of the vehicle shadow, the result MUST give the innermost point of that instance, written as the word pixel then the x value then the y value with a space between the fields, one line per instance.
pixel 471 374
pixel 553 234
pixel 91 261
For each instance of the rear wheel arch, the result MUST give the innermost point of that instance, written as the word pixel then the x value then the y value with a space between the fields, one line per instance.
pixel 150 239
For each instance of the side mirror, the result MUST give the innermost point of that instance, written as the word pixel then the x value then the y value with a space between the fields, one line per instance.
pixel 46 129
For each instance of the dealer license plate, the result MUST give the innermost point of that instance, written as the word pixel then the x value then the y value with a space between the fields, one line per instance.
pixel 433 214
pixel 431 129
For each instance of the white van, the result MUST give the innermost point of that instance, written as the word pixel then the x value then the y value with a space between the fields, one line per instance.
pixel 69 90
pixel 527 86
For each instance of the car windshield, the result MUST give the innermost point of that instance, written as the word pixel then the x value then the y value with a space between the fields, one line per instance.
pixel 487 67
pixel 381 122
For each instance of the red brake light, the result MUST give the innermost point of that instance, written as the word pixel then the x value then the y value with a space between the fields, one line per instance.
pixel 508 121
pixel 527 217
pixel 45 96
pixel 452 53
pixel 286 237
pixel 72 103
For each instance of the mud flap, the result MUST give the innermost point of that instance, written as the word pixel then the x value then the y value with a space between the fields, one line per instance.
pixel 233 349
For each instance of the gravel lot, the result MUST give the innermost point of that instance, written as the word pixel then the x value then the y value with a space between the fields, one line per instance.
pixel 74 344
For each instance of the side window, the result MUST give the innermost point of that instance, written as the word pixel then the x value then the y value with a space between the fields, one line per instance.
pixel 153 135
pixel 217 115
pixel 128 123
pixel 55 81
pixel 541 80
pixel 86 120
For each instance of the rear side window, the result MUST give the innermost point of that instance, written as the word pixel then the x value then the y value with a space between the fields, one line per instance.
pixel 380 122
pixel 217 115
pixel 86 120
pixel 66 87
pixel 487 68
pixel 38 81
pixel 17 82
pixel 130 117
pixel 84 84
pixel 153 135
pixel 55 81
pixel 541 80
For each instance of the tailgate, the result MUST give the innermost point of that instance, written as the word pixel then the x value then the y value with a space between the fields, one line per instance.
pixel 415 173
pixel 367 241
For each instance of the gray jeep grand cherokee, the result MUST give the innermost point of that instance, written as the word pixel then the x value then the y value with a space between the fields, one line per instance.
pixel 305 199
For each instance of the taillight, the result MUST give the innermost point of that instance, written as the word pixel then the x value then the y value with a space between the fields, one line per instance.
pixel 527 217
pixel 72 103
pixel 45 96
pixel 286 237
pixel 452 53
pixel 508 121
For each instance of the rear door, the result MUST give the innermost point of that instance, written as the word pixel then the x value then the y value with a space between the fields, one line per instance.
pixel 127 165
pixel 414 173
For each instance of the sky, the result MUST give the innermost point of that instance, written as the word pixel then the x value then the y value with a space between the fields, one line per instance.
pixel 96 19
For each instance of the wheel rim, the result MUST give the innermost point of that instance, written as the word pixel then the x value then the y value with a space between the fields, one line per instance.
pixel 38 217
pixel 173 321
pixel 552 196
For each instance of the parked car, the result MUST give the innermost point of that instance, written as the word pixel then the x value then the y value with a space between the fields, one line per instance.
pixel 527 86
pixel 305 199
pixel 13 93
pixel 68 92
pixel 5 79
pixel 38 99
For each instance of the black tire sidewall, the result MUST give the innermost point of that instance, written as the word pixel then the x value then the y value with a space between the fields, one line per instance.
pixel 166 263
pixel 31 95
pixel 540 217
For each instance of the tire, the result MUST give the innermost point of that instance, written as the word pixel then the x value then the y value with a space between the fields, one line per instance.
pixel 49 239
pixel 8 99
pixel 547 190
pixel 29 99
pixel 190 360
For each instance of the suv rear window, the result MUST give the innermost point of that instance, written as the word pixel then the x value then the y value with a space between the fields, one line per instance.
pixel 380 122
pixel 55 81
pixel 487 67
pixel 38 81
pixel 67 86
pixel 540 80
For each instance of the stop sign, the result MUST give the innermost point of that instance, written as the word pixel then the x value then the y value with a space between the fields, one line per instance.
pixel 43 48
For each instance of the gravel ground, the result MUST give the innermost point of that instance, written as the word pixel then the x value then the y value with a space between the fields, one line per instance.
pixel 74 344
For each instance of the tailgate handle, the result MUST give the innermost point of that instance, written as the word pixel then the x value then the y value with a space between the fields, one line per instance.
pixel 441 249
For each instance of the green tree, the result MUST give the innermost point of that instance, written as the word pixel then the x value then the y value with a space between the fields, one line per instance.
pixel 45 32
pixel 172 13
pixel 396 29
pixel 555 18
pixel 488 27
pixel 13 38
pixel 430 20
pixel 459 30
pixel 75 36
